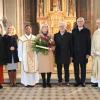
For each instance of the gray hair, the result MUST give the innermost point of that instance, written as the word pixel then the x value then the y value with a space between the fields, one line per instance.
pixel 62 24
pixel 81 18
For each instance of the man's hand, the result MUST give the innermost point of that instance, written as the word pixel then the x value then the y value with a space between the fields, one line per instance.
pixel 87 56
pixel 71 59
pixel 12 48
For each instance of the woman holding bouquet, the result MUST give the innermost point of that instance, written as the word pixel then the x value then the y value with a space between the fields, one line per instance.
pixel 46 58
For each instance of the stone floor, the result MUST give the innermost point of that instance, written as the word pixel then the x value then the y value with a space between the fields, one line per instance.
pixel 55 93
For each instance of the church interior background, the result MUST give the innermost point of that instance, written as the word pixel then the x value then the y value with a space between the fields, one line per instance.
pixel 36 12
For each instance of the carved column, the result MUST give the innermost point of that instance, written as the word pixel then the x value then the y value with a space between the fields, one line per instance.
pixel 33 17
pixel 95 13
pixel 1 11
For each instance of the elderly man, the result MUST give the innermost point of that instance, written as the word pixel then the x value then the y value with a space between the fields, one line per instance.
pixel 81 40
pixel 95 52
pixel 62 52
pixel 28 58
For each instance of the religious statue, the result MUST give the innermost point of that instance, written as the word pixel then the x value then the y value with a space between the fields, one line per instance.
pixel 68 27
pixel 5 22
pixel 70 7
pixel 55 5
pixel 41 8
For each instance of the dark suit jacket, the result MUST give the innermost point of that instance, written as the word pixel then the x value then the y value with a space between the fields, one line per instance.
pixel 2 52
pixel 81 41
pixel 11 41
pixel 62 47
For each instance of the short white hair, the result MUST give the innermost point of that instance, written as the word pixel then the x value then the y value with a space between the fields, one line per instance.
pixel 62 24
pixel 81 18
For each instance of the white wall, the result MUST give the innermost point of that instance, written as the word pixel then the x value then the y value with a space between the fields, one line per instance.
pixel 13 10
pixel 1 9
pixel 10 11
pixel 1 13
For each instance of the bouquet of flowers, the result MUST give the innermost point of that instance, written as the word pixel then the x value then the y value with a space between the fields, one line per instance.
pixel 42 44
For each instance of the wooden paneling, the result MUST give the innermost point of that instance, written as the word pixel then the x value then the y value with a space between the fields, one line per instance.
pixel 27 6
pixel 83 9
pixel 30 13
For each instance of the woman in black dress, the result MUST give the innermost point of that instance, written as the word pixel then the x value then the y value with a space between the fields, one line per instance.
pixel 11 53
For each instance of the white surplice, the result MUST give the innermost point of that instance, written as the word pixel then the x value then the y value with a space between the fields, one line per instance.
pixel 29 66
pixel 95 52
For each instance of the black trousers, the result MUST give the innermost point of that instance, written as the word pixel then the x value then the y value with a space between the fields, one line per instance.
pixel 80 78
pixel 46 79
pixel 66 72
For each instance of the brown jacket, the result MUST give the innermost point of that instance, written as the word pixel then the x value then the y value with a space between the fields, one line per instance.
pixel 46 62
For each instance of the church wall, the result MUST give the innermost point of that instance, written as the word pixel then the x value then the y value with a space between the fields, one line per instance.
pixel 13 10
pixel 95 10
pixel 1 9
pixel 10 11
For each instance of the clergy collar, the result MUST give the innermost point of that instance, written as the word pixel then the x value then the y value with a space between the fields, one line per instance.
pixel 80 28
pixel 28 36
pixel 62 33
pixel 99 29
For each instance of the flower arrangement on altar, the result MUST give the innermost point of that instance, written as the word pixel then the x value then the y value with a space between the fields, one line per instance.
pixel 42 44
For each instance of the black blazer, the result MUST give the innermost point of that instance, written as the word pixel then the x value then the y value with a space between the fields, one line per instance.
pixel 81 41
pixel 63 47
pixel 2 52
pixel 11 41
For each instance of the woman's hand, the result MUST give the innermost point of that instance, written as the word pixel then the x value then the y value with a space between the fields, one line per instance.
pixel 52 48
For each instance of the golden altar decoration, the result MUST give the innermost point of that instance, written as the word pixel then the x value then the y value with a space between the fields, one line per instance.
pixel 52 12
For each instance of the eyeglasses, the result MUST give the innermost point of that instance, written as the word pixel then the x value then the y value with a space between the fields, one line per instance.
pixel 79 21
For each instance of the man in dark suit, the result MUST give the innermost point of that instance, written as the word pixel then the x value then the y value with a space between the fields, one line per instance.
pixel 81 40
pixel 62 52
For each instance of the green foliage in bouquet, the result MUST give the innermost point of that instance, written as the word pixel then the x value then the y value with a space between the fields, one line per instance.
pixel 40 42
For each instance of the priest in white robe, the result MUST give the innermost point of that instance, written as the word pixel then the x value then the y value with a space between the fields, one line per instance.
pixel 95 52
pixel 29 66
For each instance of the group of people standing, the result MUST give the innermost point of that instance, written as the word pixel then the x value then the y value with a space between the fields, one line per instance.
pixel 73 47
pixel 68 47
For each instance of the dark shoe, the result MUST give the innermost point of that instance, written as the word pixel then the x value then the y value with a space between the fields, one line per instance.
pixel 76 84
pixel 59 83
pixel 44 85
pixel 11 85
pixel 67 84
pixel 14 85
pixel 49 85
pixel 29 86
pixel 94 85
pixel 83 84
pixel 1 86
